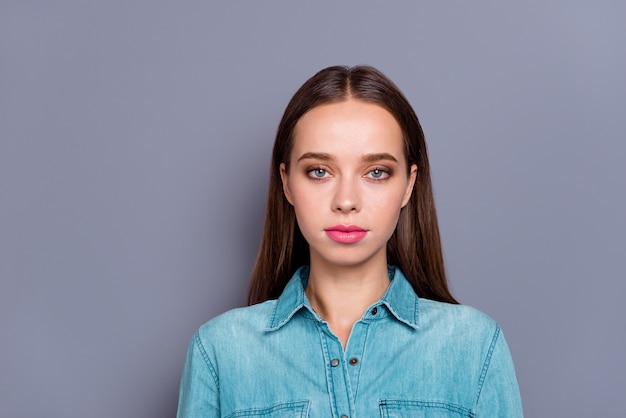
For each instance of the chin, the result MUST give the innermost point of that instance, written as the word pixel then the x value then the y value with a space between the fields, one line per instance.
pixel 347 258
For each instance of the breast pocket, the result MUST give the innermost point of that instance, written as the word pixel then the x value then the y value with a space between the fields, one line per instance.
pixel 284 410
pixel 392 408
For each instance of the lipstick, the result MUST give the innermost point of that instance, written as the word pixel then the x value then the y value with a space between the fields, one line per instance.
pixel 346 234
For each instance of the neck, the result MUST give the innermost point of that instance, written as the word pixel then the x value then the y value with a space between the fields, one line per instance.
pixel 341 294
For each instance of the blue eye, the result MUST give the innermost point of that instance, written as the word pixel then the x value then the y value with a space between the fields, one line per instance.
pixel 318 173
pixel 378 174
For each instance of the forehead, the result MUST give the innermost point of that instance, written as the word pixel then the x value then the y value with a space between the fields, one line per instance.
pixel 351 127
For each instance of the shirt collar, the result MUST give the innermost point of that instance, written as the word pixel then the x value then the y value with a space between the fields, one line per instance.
pixel 400 299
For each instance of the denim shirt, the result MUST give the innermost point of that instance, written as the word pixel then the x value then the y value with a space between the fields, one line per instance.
pixel 406 357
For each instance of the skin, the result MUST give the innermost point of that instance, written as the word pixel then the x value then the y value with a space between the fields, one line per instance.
pixel 347 168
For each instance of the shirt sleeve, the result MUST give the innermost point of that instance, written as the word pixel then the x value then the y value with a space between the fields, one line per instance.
pixel 199 387
pixel 499 395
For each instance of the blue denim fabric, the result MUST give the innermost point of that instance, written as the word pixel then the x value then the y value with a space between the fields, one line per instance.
pixel 406 357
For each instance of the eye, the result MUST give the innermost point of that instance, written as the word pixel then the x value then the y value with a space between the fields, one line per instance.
pixel 317 172
pixel 378 173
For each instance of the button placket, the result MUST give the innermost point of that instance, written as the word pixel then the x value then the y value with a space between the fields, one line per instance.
pixel 354 355
pixel 338 381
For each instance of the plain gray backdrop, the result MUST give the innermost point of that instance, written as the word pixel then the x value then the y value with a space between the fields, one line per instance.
pixel 135 142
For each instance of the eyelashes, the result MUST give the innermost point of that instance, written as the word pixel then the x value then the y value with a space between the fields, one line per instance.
pixel 317 173
pixel 377 173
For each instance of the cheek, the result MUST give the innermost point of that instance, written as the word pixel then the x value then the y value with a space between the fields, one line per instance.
pixel 389 198
pixel 387 206
pixel 306 206
pixel 302 198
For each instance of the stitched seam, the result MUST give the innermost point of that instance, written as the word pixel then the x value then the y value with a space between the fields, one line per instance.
pixel 483 373
pixel 400 317
pixel 300 406
pixel 363 354
pixel 272 327
pixel 329 379
pixel 388 404
pixel 276 327
pixel 205 356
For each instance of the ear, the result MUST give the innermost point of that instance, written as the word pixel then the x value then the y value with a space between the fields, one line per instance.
pixel 410 185
pixel 285 179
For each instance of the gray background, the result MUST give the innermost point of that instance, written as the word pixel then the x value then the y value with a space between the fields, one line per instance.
pixel 134 151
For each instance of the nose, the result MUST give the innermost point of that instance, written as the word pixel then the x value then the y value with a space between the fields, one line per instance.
pixel 346 197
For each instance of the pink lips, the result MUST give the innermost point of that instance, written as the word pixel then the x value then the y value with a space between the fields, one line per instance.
pixel 346 234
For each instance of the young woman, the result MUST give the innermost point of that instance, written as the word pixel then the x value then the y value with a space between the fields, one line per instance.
pixel 350 312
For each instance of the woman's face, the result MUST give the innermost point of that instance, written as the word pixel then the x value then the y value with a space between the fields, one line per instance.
pixel 347 181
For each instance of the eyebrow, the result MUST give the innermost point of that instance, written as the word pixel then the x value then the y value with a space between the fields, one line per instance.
pixel 372 158
pixel 315 156
pixel 369 158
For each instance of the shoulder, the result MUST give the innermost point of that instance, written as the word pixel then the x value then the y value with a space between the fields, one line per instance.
pixel 466 335
pixel 433 316
pixel 461 314
pixel 462 322
pixel 476 352
pixel 236 323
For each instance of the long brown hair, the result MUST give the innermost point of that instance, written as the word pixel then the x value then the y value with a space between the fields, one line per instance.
pixel 415 246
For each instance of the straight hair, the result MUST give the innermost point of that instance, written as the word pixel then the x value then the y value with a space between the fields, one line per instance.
pixel 414 247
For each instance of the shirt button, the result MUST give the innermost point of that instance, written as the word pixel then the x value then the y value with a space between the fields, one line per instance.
pixel 334 362
pixel 344 416
pixel 354 361
pixel 374 311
